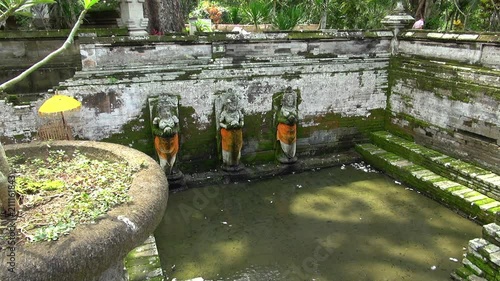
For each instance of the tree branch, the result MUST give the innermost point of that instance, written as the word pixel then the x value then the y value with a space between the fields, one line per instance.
pixel 458 8
pixel 50 56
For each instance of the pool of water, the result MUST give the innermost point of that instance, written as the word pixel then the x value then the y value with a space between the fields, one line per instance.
pixel 330 224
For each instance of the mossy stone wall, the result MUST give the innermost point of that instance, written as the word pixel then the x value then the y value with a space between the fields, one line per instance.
pixel 446 101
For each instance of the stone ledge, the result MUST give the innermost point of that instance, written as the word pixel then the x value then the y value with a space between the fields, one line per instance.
pixel 450 36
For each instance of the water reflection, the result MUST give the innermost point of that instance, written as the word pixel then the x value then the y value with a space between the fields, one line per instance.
pixel 330 224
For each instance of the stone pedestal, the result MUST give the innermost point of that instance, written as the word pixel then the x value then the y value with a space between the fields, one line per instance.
pixel 396 21
pixel 132 17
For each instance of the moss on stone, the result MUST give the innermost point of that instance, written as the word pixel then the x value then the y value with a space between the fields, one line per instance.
pixel 455 87
pixel 463 272
pixel 136 134
pixel 312 35
pixel 198 146
pixel 188 74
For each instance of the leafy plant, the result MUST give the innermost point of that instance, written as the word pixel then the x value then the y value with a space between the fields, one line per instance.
pixel 11 7
pixel 64 14
pixel 287 18
pixel 106 5
pixel 235 15
pixel 258 11
pixel 215 14
pixel 203 25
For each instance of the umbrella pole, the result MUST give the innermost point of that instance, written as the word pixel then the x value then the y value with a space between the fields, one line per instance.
pixel 64 126
pixel 64 121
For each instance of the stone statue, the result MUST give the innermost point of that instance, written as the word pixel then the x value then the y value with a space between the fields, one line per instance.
pixel 286 131
pixel 231 124
pixel 9 202
pixel 166 138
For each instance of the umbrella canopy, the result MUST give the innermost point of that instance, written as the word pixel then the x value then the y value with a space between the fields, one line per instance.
pixel 59 103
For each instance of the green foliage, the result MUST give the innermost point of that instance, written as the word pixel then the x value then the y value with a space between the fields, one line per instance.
pixel 73 189
pixel 477 15
pixel 235 15
pixel 18 7
pixel 65 13
pixel 9 7
pixel 258 11
pixel 287 18
pixel 87 4
pixel 106 5
pixel 203 25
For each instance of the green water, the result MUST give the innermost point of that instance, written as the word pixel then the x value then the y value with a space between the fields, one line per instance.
pixel 328 224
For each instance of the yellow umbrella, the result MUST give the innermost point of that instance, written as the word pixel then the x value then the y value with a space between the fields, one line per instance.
pixel 58 104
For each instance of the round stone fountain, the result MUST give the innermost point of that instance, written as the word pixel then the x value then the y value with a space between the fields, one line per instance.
pixel 95 251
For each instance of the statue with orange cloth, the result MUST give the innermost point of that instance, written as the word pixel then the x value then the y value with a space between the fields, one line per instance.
pixel 166 138
pixel 286 131
pixel 231 124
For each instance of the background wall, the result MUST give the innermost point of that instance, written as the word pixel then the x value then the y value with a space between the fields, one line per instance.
pixel 341 77
pixel 441 89
pixel 20 50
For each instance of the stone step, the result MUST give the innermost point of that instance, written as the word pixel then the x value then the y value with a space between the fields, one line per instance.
pixel 467 174
pixel 491 232
pixel 481 261
pixel 457 196
pixel 143 262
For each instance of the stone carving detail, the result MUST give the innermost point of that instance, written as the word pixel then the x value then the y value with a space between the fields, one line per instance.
pixel 286 128
pixel 230 125
pixel 9 202
pixel 165 129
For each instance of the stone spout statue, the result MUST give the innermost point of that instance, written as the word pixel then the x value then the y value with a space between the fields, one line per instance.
pixel 231 124
pixel 286 131
pixel 7 197
pixel 166 134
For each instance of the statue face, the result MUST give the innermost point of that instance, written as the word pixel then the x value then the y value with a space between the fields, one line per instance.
pixel 288 100
pixel 232 103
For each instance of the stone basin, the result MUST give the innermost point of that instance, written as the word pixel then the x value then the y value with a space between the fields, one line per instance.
pixel 95 251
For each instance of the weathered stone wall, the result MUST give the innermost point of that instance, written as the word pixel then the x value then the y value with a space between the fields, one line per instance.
pixel 341 78
pixel 443 91
pixel 19 53
pixel 445 94
pixel 19 50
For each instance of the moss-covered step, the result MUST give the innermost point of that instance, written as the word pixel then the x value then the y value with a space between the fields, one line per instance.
pixel 143 263
pixel 474 177
pixel 482 261
pixel 491 233
pixel 453 194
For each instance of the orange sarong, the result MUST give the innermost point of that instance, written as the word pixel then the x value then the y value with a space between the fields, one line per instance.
pixel 286 133
pixel 167 147
pixel 232 141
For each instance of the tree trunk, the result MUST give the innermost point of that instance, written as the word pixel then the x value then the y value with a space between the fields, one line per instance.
pixel 164 16
pixel 324 14
pixel 420 12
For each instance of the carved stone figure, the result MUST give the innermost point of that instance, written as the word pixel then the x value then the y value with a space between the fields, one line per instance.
pixel 231 124
pixel 9 202
pixel 165 130
pixel 286 131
